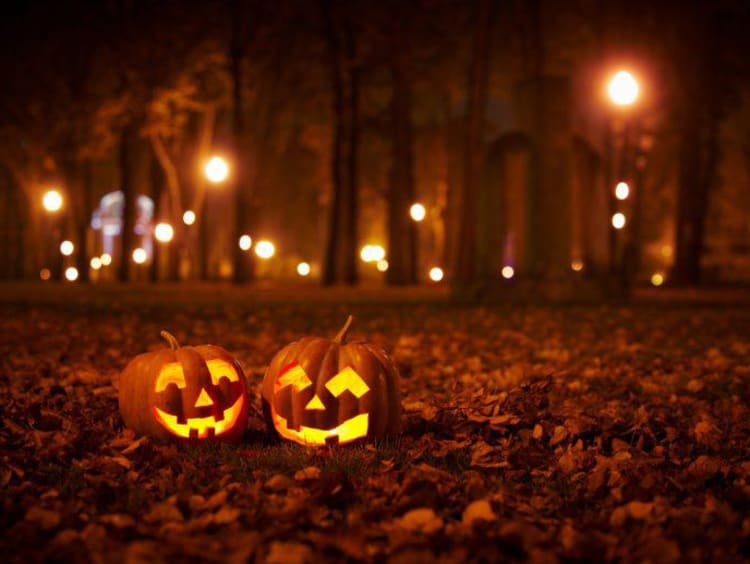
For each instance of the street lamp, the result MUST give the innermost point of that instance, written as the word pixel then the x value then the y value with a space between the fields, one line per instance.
pixel 417 212
pixel 217 170
pixel 436 274
pixel 265 249
pixel 52 201
pixel 163 232
pixel 623 88
pixel 188 218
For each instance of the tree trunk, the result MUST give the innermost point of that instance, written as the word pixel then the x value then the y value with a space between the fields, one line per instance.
pixel 243 263
pixel 340 265
pixel 126 162
pixel 156 179
pixel 402 233
pixel 697 169
pixel 83 216
pixel 466 261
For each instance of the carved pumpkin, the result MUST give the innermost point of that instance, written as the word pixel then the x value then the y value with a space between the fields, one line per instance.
pixel 185 393
pixel 319 391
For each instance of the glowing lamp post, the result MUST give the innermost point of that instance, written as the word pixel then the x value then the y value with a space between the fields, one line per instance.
pixel 622 191
pixel 372 253
pixel 265 249
pixel 417 212
pixel 623 89
pixel 67 248
pixel 216 170
pixel 163 232
pixel 139 255
pixel 436 274
pixel 188 218
pixel 303 269
pixel 52 201
pixel 245 242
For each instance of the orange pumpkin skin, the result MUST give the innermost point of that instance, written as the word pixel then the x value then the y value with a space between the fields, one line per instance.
pixel 320 391
pixel 185 393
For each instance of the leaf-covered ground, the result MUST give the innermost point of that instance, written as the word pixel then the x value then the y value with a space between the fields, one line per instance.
pixel 541 433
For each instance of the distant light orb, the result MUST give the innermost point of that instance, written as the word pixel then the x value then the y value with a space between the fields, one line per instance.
pixel 245 242
pixel 45 274
pixel 163 232
pixel 188 218
pixel 71 274
pixel 508 272
pixel 417 212
pixel 95 263
pixel 265 249
pixel 52 200
pixel 372 253
pixel 623 89
pixel 303 269
pixel 657 279
pixel 576 265
pixel 622 191
pixel 67 248
pixel 382 265
pixel 436 274
pixel 139 255
pixel 216 170
pixel 106 259
pixel 618 220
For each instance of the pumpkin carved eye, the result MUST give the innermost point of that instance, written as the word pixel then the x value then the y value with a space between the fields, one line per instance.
pixel 170 374
pixel 347 379
pixel 296 377
pixel 219 369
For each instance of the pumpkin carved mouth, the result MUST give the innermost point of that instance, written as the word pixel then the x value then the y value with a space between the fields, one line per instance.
pixel 201 427
pixel 348 431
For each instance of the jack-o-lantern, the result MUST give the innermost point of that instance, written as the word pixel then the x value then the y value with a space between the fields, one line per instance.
pixel 184 393
pixel 319 391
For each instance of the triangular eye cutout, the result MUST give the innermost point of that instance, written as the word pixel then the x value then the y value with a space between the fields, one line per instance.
pixel 315 403
pixel 203 399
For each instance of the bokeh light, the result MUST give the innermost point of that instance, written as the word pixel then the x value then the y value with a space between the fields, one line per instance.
pixel 216 170
pixel 618 220
pixel 106 259
pixel 265 249
pixel 623 88
pixel 52 200
pixel 657 279
pixel 382 265
pixel 303 269
pixel 508 272
pixel 576 265
pixel 622 191
pixel 163 232
pixel 245 242
pixel 71 274
pixel 67 248
pixel 188 218
pixel 95 263
pixel 45 274
pixel 139 255
pixel 436 274
pixel 417 212
pixel 372 253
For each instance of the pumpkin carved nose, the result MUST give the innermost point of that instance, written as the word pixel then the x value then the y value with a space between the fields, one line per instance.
pixel 315 403
pixel 203 399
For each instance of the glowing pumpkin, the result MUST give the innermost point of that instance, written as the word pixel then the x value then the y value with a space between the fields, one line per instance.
pixel 185 393
pixel 319 391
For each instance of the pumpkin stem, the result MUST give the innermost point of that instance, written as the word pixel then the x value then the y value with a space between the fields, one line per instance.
pixel 340 338
pixel 173 344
